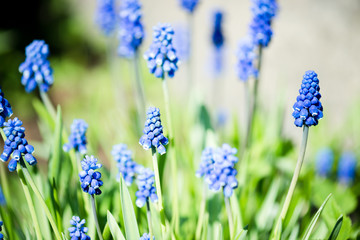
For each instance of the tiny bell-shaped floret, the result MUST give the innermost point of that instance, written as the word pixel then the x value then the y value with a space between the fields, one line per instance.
pixel 78 230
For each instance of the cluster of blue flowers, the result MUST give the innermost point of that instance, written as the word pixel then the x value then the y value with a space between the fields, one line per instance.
pixel 89 177
pixel 77 138
pixel 78 231
pixel 307 108
pixel 217 168
pixel 145 181
pixel 146 236
pixel 161 56
pixel 246 59
pixel 1 235
pixel 106 16
pixel 36 70
pixel 189 5
pixel 131 31
pixel 153 132
pixel 16 144
pixel 324 161
pixel 346 168
pixel 5 108
pixel 181 42
pixel 126 166
pixel 217 36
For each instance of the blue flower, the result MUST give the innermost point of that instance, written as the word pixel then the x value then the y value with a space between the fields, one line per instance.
pixel 78 231
pixel 127 167
pixel 161 56
pixel 260 27
pixel 36 70
pixel 89 178
pixel 189 5
pixel 181 42
pixel 77 138
pixel 324 161
pixel 217 167
pixel 106 16
pixel 246 59
pixel 308 109
pixel 131 31
pixel 5 108
pixel 153 132
pixel 146 236
pixel 217 36
pixel 16 144
pixel 2 198
pixel 1 235
pixel 145 181
pixel 347 168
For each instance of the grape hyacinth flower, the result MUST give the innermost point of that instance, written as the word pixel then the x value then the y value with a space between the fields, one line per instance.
pixel 161 56
pixel 36 70
pixel 77 138
pixel 1 235
pixel 145 181
pixel 308 109
pixel 146 236
pixel 131 31
pixel 217 35
pixel 89 177
pixel 126 166
pixel 246 59
pixel 181 42
pixel 346 168
pixel 16 144
pixel 106 16
pixel 206 164
pixel 189 5
pixel 2 198
pixel 153 132
pixel 5 108
pixel 324 161
pixel 78 231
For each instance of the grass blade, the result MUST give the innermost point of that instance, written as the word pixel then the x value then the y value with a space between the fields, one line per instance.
pixel 336 230
pixel 114 227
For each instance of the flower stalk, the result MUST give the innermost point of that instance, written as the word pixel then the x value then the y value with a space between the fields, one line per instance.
pixel 148 214
pixel 93 205
pixel 230 217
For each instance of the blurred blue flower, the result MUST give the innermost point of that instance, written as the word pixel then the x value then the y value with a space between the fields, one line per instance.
pixel 145 181
pixel 189 5
pixel 161 55
pixel 78 231
pixel 260 27
pixel 153 132
pixel 126 166
pixel 16 144
pixel 181 42
pixel 246 59
pixel 308 109
pixel 36 70
pixel 347 168
pixel 217 35
pixel 1 235
pixel 77 138
pixel 206 164
pixel 2 198
pixel 146 236
pixel 324 161
pixel 5 108
pixel 89 178
pixel 106 16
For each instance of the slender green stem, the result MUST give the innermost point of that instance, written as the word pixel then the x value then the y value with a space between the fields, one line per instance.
pixel 49 106
pixel 148 214
pixel 295 177
pixel 230 217
pixel 40 198
pixel 30 204
pixel 201 214
pixel 93 205
pixel 139 87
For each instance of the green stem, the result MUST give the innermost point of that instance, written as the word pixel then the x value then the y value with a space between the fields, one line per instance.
pixel 148 214
pixel 294 178
pixel 230 217
pixel 40 198
pixel 95 217
pixel 49 106
pixel 30 203
pixel 201 214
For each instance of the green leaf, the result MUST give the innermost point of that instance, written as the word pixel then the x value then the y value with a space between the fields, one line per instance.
pixel 43 113
pixel 114 227
pixel 54 164
pixel 315 219
pixel 242 234
pixel 336 230
pixel 131 226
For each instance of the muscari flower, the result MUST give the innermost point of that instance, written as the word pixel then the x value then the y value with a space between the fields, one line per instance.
pixel 189 5
pixel 16 144
pixel 308 109
pixel 5 108
pixel 181 42
pixel 77 138
pixel 126 166
pixel 246 59
pixel 1 235
pixel 260 27
pixel 153 132
pixel 146 236
pixel 2 198
pixel 78 231
pixel 217 167
pixel 106 16
pixel 346 168
pixel 89 177
pixel 145 181
pixel 217 35
pixel 131 31
pixel 324 161
pixel 161 55
pixel 36 70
